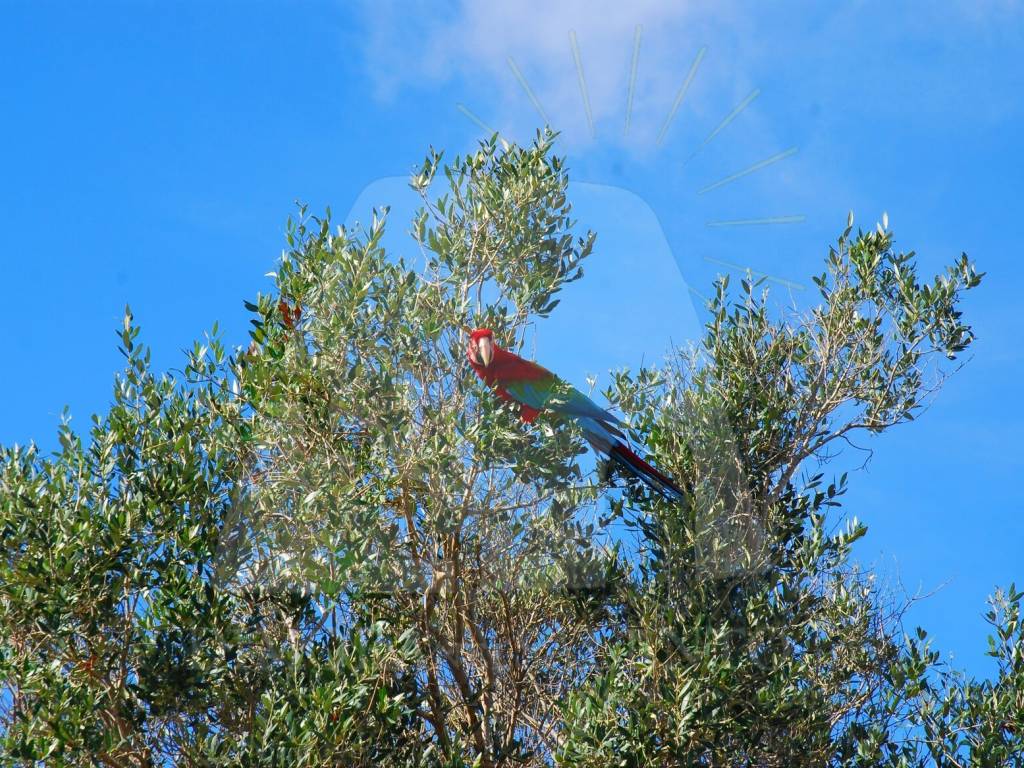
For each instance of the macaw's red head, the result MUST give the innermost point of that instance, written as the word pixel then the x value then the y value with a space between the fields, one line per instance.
pixel 481 347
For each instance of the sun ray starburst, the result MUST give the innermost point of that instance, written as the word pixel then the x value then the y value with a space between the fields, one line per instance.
pixel 632 76
pixel 582 80
pixel 795 219
pixel 680 95
pixel 788 283
pixel 748 170
pixel 529 91
pixel 725 122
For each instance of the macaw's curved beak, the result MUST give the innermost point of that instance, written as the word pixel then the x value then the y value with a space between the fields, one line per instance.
pixel 485 351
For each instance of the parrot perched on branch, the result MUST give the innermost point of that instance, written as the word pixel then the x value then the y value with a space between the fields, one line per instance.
pixel 536 388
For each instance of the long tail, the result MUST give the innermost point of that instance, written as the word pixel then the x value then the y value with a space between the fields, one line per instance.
pixel 644 472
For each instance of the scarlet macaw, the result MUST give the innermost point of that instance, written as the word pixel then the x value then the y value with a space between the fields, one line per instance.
pixel 535 388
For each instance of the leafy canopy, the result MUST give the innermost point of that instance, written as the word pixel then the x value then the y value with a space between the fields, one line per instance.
pixel 336 547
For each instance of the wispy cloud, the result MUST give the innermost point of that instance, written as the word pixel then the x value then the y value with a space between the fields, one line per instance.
pixel 414 43
pixel 500 46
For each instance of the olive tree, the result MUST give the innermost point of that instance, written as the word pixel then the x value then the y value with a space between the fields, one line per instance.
pixel 334 546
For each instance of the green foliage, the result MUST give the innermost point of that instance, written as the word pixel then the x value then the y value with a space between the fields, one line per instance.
pixel 751 640
pixel 981 722
pixel 336 547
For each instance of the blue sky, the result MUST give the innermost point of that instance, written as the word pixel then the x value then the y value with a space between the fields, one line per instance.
pixel 151 153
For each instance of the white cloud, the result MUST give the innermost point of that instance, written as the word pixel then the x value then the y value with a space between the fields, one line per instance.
pixel 415 44
pixel 412 45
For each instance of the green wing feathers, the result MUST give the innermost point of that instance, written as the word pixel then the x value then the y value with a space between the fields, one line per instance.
pixel 559 396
